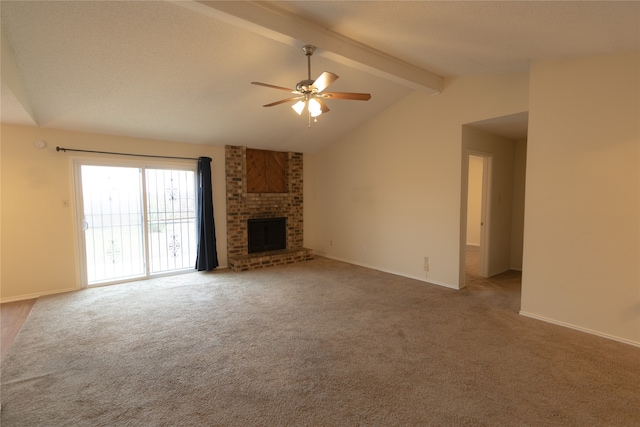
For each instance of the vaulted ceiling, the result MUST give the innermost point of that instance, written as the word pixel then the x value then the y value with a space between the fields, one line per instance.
pixel 181 70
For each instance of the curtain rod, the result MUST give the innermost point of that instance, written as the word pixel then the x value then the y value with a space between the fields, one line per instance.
pixel 125 154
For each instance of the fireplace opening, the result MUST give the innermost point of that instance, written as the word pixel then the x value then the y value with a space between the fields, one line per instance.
pixel 267 234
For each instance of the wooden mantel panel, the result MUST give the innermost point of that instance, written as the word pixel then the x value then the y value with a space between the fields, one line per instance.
pixel 256 171
pixel 276 171
pixel 266 171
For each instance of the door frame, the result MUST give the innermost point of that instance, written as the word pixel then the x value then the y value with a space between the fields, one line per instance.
pixel 485 229
pixel 76 163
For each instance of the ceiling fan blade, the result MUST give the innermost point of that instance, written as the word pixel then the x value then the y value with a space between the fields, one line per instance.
pixel 282 101
pixel 347 95
pixel 323 106
pixel 325 79
pixel 274 87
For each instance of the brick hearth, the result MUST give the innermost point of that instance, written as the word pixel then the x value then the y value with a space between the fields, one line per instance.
pixel 242 206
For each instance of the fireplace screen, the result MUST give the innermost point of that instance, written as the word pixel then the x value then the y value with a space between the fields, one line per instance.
pixel 267 234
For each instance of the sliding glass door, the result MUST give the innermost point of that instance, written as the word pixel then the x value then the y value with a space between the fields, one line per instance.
pixel 135 221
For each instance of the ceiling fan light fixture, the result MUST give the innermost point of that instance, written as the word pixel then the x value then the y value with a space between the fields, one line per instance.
pixel 298 107
pixel 315 109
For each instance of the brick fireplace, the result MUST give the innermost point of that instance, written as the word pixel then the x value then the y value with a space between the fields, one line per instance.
pixel 243 206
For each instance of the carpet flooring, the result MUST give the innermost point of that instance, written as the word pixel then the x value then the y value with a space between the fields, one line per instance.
pixel 320 343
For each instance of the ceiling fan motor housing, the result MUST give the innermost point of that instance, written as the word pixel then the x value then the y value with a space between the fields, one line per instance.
pixel 304 86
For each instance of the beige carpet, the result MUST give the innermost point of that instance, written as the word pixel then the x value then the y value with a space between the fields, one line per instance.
pixel 321 343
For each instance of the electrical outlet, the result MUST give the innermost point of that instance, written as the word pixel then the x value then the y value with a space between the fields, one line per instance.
pixel 426 263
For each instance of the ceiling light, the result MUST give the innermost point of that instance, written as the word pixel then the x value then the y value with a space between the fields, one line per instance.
pixel 315 109
pixel 298 107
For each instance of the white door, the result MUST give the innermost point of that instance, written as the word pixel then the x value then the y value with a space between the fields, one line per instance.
pixel 478 209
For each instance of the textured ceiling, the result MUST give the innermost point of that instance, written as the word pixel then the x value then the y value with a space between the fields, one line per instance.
pixel 181 71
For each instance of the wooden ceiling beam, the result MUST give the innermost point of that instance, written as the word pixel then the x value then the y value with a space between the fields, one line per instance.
pixel 265 19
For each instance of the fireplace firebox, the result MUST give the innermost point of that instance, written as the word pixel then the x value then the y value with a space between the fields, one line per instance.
pixel 267 234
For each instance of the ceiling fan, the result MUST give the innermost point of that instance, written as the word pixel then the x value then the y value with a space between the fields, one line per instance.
pixel 310 93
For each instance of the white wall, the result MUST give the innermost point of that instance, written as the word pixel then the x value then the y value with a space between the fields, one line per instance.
pixel 38 242
pixel 474 200
pixel 582 231
pixel 388 195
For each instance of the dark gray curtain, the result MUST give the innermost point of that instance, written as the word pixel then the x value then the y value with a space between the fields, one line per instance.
pixel 207 258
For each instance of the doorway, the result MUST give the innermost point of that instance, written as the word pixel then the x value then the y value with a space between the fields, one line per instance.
pixel 134 221
pixel 477 236
pixel 501 143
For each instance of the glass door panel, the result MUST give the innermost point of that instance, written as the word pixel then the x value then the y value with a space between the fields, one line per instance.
pixel 112 223
pixel 171 209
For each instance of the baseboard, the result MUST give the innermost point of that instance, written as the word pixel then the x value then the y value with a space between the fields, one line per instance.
pixel 360 264
pixel 63 291
pixel 579 328
pixel 37 295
